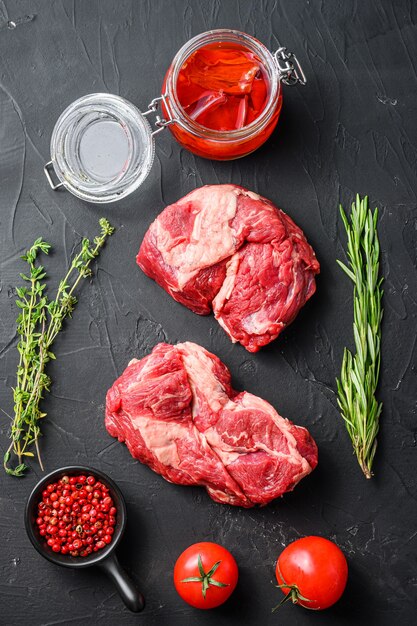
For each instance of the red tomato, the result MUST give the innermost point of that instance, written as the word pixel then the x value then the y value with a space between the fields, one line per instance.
pixel 205 575
pixel 313 572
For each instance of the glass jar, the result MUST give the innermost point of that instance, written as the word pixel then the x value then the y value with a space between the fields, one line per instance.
pixel 102 146
pixel 231 144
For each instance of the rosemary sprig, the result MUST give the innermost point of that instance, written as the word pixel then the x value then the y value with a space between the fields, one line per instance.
pixel 38 324
pixel 360 372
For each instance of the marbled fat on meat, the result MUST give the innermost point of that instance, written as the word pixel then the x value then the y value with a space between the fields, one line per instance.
pixel 227 249
pixel 177 412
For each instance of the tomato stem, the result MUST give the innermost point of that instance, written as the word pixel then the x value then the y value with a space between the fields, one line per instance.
pixel 294 595
pixel 205 578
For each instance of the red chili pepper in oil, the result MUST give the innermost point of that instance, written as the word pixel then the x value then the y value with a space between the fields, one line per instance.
pixel 223 86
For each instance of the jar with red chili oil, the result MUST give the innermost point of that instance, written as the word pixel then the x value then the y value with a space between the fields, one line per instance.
pixel 223 93
pixel 221 99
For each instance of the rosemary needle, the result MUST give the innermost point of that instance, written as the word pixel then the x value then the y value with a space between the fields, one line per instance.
pixel 360 371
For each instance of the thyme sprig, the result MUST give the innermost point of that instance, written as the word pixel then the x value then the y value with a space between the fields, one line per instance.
pixel 38 324
pixel 360 371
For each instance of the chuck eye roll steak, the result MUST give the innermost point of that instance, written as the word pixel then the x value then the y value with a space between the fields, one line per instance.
pixel 177 412
pixel 227 249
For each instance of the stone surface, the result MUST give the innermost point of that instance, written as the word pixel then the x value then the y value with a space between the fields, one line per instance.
pixel 351 129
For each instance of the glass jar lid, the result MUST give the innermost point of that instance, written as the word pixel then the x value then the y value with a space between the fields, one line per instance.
pixel 102 148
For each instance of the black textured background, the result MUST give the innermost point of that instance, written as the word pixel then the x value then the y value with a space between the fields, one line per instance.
pixel 351 129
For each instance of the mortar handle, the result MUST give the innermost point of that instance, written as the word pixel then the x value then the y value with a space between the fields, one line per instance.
pixel 132 598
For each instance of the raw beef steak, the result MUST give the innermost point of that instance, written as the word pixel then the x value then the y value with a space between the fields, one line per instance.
pixel 177 412
pixel 224 248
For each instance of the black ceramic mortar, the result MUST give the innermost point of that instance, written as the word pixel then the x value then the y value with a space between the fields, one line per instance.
pixel 106 558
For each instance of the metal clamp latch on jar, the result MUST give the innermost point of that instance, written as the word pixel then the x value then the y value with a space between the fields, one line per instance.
pixel 160 122
pixel 48 169
pixel 289 69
